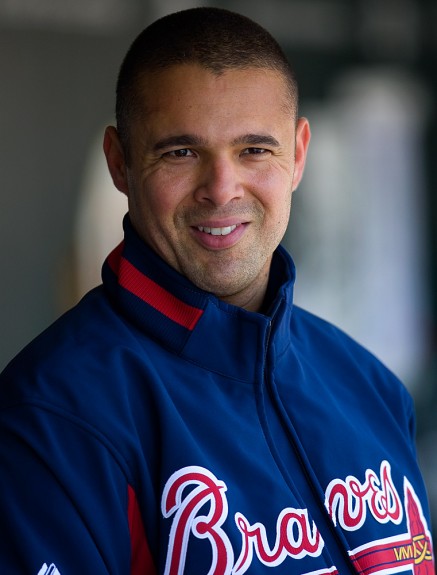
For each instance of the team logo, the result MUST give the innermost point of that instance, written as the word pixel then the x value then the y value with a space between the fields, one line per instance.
pixel 349 502
pixel 412 550
pixel 206 488
pixel 49 570
pixel 196 501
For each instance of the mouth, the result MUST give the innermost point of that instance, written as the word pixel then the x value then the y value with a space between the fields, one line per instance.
pixel 216 237
pixel 225 231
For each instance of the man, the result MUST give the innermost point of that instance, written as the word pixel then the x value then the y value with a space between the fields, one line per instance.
pixel 185 417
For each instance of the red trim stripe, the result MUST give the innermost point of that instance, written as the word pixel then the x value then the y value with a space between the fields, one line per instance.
pixel 153 294
pixel 115 257
pixel 141 558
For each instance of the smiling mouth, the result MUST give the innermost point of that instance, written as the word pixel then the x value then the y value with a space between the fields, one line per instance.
pixel 217 231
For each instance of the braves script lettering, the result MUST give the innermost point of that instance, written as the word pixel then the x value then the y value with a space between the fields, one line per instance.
pixel 295 537
pixel 347 501
pixel 207 489
pixel 196 501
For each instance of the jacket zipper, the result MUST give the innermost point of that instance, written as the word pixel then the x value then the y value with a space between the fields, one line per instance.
pixel 277 404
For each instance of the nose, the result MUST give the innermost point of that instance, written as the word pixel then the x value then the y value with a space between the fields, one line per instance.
pixel 219 182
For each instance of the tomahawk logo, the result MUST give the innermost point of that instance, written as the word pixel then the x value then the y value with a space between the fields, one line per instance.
pixel 412 550
pixel 51 570
pixel 349 502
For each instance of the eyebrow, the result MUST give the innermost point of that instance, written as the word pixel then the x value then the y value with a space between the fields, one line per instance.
pixel 193 140
pixel 256 140
pixel 182 140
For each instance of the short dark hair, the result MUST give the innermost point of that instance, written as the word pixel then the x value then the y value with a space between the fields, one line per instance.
pixel 215 38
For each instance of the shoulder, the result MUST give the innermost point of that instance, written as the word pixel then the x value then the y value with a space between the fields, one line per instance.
pixel 74 359
pixel 70 334
pixel 325 335
pixel 329 347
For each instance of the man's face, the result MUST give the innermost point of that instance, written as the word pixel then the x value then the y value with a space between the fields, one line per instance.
pixel 213 164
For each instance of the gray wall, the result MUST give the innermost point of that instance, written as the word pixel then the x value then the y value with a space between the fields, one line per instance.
pixel 57 91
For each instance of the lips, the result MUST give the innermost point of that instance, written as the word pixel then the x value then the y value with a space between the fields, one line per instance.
pixel 216 237
pixel 217 231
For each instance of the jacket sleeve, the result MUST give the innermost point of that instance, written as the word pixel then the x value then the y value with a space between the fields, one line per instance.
pixel 66 506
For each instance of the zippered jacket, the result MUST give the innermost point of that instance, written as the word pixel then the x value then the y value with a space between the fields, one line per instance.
pixel 154 429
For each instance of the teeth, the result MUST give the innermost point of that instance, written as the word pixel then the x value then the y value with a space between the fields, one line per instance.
pixel 217 231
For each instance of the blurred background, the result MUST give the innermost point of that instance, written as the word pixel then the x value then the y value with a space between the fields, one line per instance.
pixel 362 232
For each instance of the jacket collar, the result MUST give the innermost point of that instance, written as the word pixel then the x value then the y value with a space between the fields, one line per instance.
pixel 186 320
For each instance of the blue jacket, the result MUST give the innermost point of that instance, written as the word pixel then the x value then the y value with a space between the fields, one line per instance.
pixel 156 429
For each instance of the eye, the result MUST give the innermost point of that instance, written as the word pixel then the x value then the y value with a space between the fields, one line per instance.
pixel 181 153
pixel 255 151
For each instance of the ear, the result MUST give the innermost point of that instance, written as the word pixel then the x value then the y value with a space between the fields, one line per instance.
pixel 115 159
pixel 303 136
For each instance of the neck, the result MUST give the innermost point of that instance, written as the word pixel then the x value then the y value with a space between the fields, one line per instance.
pixel 252 297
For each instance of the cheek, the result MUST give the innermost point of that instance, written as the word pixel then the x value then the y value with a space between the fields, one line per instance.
pixel 159 197
pixel 159 204
pixel 278 205
pixel 274 189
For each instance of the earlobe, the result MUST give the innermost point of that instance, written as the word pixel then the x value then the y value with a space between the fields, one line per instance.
pixel 303 136
pixel 115 159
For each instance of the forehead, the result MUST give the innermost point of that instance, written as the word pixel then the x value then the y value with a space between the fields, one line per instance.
pixel 191 87
pixel 217 109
